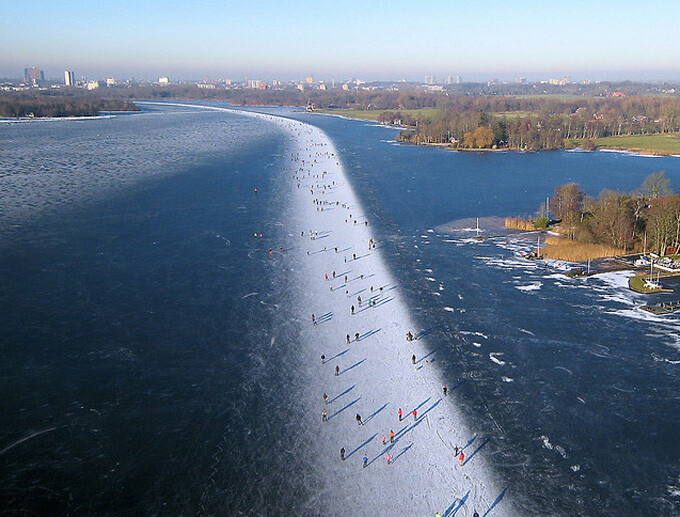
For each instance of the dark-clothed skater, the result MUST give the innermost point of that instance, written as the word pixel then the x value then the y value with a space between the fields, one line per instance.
pixel 359 421
pixel 342 454
pixel 337 370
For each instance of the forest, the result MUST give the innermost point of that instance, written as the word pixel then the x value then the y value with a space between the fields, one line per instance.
pixel 60 104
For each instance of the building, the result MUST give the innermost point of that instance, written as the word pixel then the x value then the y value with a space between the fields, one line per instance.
pixel 163 80
pixel 310 80
pixel 92 85
pixel 430 79
pixel 323 87
pixel 69 78
pixel 33 75
pixel 110 82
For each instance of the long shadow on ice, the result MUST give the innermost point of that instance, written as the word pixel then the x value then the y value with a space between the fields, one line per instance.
pixel 369 334
pixel 424 358
pixel 407 429
pixel 453 509
pixel 403 451
pixel 341 410
pixel 498 500
pixel 376 412
pixel 481 445
pixel 341 394
pixel 350 367
pixel 337 355
pixel 362 445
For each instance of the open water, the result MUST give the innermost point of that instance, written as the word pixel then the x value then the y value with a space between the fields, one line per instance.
pixel 149 357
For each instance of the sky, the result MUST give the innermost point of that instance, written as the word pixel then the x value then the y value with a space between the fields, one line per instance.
pixel 373 40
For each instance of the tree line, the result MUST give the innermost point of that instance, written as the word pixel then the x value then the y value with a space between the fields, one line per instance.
pixel 648 217
pixel 49 104
pixel 542 123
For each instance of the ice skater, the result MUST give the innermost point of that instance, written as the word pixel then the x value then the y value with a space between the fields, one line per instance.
pixel 415 414
pixel 400 414
pixel 324 416
pixel 359 420
pixel 342 454
pixel 356 337
pixel 389 459
pixel 413 358
pixel 337 370
pixel 323 359
pixel 445 390
pixel 325 398
pixel 351 309
pixel 461 457
pixel 391 436
pixel 313 319
pixel 365 461
pixel 348 339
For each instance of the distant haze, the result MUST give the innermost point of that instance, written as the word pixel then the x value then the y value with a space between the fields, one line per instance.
pixel 376 40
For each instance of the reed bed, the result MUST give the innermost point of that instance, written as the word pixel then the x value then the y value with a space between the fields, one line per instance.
pixel 559 248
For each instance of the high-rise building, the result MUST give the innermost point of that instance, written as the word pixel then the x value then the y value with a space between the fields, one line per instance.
pixel 33 75
pixel 69 78
pixel 310 80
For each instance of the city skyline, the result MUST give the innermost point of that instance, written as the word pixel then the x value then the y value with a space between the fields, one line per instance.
pixel 381 41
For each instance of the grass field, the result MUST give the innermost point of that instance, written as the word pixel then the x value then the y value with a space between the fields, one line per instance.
pixel 418 113
pixel 373 114
pixel 668 143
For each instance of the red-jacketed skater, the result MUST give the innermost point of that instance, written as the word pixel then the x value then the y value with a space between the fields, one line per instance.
pixel 399 413
pixel 461 457
pixel 415 414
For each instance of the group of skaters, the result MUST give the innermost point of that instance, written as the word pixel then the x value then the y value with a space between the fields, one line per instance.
pixel 325 187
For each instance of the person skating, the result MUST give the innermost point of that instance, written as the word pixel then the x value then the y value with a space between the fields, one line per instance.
pixel 325 398
pixel 313 319
pixel 356 337
pixel 455 451
pixel 413 358
pixel 351 309
pixel 391 436
pixel 342 454
pixel 415 414
pixel 323 359
pixel 389 459
pixel 337 370
pixel 384 440
pixel 445 390
pixel 365 461
pixel 461 457
pixel 348 339
pixel 324 416
pixel 399 413
pixel 359 421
